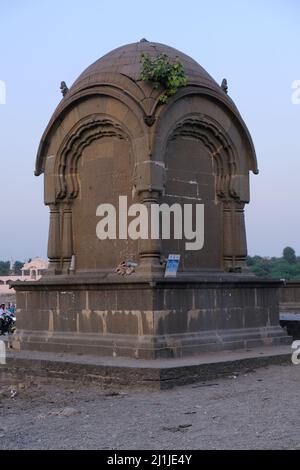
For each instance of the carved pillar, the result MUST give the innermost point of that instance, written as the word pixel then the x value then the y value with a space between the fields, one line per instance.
pixel 149 185
pixel 227 236
pixel 240 236
pixel 54 240
pixel 234 236
pixel 150 249
pixel 67 237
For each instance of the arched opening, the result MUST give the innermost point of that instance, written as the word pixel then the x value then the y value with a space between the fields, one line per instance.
pixel 104 172
pixel 33 273
pixel 200 162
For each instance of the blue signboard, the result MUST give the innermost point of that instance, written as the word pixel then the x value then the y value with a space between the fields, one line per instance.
pixel 172 265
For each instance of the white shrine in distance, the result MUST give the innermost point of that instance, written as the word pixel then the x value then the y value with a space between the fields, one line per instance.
pixel 31 271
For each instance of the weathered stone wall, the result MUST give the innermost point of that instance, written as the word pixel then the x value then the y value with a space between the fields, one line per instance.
pixel 140 319
pixel 5 298
pixel 289 306
pixel 289 296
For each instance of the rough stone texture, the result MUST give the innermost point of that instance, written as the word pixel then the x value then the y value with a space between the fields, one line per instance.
pixel 289 303
pixel 289 297
pixel 128 373
pixel 149 320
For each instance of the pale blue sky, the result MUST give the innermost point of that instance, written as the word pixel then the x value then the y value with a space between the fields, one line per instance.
pixel 254 44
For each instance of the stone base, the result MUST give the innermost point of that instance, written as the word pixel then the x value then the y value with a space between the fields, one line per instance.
pixel 289 307
pixel 151 374
pixel 150 319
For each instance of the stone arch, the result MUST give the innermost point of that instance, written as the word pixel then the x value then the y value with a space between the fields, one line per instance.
pixel 225 204
pixel 82 135
pixel 87 132
pixel 222 149
pixel 190 95
pixel 33 273
pixel 117 92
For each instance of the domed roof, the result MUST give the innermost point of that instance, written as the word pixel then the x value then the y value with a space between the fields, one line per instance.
pixel 126 60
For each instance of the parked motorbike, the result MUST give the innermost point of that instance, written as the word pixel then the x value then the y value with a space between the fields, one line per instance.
pixel 7 324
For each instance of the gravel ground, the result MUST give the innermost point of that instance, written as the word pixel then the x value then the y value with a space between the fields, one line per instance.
pixel 253 410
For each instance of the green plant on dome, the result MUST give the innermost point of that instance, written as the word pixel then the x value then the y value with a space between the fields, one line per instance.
pixel 163 74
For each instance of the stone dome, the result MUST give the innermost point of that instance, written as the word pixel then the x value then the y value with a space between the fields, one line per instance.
pixel 125 60
pixel 120 70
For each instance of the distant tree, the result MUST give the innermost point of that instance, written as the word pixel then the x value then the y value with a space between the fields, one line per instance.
pixel 262 266
pixel 4 268
pixel 249 261
pixel 18 268
pixel 289 255
pixel 285 267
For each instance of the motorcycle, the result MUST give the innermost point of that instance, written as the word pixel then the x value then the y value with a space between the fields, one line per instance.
pixel 7 324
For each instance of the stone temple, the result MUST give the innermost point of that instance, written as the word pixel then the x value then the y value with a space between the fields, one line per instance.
pixel 109 137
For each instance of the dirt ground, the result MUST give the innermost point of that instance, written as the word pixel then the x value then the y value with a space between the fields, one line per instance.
pixel 252 410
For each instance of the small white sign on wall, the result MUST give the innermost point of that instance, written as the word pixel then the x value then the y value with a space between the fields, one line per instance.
pixel 172 265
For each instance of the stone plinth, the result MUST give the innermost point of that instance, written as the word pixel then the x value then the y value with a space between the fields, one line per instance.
pixel 108 372
pixel 289 297
pixel 148 319
pixel 289 306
